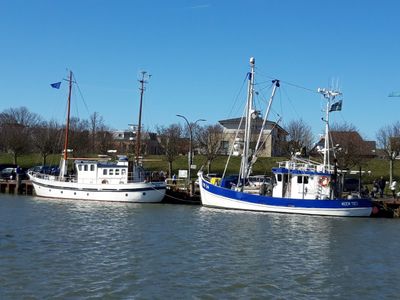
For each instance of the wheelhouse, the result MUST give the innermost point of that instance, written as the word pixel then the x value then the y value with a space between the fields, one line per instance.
pixel 93 172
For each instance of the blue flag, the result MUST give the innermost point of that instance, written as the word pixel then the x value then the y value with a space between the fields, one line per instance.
pixel 337 106
pixel 56 85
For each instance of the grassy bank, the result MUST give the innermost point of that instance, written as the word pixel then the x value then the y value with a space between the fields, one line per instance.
pixel 377 167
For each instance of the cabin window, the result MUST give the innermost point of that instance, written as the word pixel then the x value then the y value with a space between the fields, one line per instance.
pixel 117 172
pixel 104 171
pixel 80 167
pixel 279 177
pixel 123 172
pixel 111 172
pixel 302 179
pixel 91 167
pixel 85 167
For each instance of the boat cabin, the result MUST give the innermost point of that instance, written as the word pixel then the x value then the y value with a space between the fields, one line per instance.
pixel 301 181
pixel 101 172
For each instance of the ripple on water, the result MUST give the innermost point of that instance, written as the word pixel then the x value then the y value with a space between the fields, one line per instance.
pixel 67 249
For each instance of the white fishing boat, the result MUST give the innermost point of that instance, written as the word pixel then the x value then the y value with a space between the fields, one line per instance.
pixel 299 185
pixel 99 179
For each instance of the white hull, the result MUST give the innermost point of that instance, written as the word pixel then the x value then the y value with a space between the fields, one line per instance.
pixel 138 192
pixel 210 199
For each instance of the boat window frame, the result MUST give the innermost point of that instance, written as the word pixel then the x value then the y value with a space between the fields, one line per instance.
pixel 299 179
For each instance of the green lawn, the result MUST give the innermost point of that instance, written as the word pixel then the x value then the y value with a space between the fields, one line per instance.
pixel 378 167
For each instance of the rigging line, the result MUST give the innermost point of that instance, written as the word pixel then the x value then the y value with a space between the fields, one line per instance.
pixel 237 96
pixel 233 145
pixel 80 93
pixel 290 102
pixel 268 135
pixel 264 97
pixel 287 82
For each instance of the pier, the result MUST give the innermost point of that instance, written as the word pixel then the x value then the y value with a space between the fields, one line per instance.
pixel 20 187
pixel 180 192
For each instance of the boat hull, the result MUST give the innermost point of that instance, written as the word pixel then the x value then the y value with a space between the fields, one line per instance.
pixel 218 197
pixel 140 192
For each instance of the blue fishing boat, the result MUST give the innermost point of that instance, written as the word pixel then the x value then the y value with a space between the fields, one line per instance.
pixel 298 185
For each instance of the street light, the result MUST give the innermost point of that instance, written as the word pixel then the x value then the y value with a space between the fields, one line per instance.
pixel 190 140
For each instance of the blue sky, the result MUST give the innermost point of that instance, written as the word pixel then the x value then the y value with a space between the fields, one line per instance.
pixel 198 53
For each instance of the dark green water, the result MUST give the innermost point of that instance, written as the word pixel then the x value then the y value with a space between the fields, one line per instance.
pixel 57 249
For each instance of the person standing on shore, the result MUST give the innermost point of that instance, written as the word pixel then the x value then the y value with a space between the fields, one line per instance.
pixel 382 184
pixel 393 188
pixel 174 179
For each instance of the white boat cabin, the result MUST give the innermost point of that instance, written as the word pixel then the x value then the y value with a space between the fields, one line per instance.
pixel 101 172
pixel 301 181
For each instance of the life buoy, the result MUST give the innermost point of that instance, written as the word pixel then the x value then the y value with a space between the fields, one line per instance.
pixel 323 181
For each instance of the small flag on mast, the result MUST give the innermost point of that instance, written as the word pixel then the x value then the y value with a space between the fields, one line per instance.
pixel 56 85
pixel 337 106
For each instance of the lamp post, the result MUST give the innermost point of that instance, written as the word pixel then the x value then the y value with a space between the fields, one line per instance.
pixel 190 141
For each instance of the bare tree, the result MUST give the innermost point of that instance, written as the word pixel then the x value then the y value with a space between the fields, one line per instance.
pixel 104 139
pixel 210 138
pixel 46 138
pixel 300 138
pixel 96 122
pixel 79 139
pixel 170 140
pixel 345 126
pixel 388 139
pixel 16 126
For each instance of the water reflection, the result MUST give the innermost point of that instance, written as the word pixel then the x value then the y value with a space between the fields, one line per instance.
pixel 79 249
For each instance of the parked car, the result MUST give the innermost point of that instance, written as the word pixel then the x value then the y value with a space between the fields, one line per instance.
pixel 8 173
pixel 50 170
pixel 4 166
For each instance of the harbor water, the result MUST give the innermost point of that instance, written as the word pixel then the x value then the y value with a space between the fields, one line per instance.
pixel 60 249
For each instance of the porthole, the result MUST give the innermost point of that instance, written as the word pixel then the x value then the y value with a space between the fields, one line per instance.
pixel 126 195
pixel 144 193
pixel 87 194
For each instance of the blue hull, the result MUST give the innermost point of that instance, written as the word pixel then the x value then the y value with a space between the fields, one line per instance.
pixel 216 196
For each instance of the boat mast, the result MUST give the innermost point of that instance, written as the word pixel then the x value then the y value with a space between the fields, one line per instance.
pixel 138 137
pixel 68 117
pixel 329 95
pixel 63 170
pixel 247 130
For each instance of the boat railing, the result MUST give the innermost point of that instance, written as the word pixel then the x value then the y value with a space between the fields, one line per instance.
pixel 293 165
pixel 45 176
pixel 305 166
pixel 145 176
